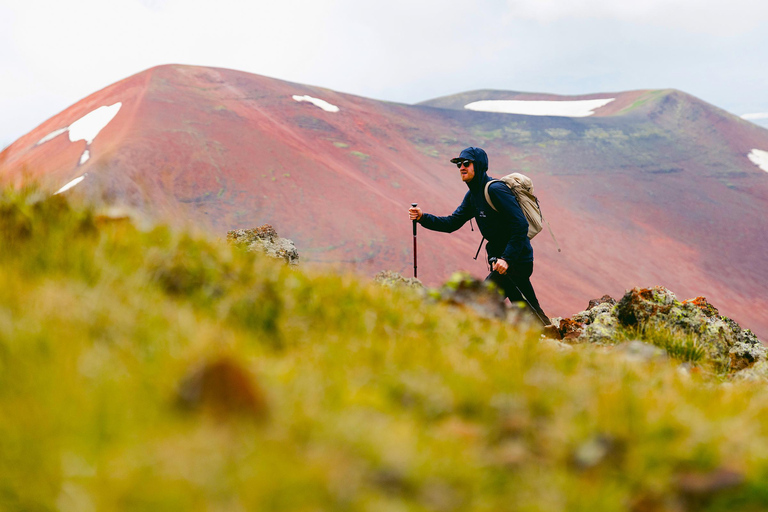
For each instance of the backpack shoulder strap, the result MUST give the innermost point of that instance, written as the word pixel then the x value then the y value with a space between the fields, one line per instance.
pixel 488 196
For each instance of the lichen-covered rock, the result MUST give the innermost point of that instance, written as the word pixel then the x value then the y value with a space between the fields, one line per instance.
pixel 597 324
pixel 602 328
pixel 570 328
pixel 481 296
pixel 638 305
pixel 605 299
pixel 756 372
pixel 264 239
pixel 725 343
pixel 392 279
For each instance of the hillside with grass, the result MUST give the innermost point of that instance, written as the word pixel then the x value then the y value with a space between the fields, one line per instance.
pixel 654 187
pixel 153 369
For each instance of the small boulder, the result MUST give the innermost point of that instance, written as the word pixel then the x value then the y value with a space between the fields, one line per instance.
pixel 264 239
pixel 605 299
pixel 390 279
pixel 481 296
pixel 726 344
pixel 639 305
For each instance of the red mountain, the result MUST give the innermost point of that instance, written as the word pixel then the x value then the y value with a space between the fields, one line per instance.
pixel 656 188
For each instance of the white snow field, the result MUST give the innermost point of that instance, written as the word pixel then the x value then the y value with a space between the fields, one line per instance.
pixel 757 115
pixel 85 156
pixel 87 127
pixel 759 158
pixel 575 108
pixel 51 136
pixel 317 102
pixel 71 184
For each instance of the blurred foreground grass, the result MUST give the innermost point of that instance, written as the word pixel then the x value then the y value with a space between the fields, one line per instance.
pixel 156 370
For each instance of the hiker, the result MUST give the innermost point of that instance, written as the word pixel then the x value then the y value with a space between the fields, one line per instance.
pixel 505 230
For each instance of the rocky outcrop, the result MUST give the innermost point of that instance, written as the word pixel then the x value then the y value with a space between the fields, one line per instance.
pixel 484 298
pixel 724 342
pixel 264 239
pixel 392 279
pixel 465 291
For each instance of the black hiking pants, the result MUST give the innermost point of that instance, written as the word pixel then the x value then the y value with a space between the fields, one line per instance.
pixel 517 287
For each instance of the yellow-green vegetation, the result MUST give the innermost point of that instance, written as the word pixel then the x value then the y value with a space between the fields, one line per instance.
pixel 682 346
pixel 157 370
pixel 644 99
pixel 360 155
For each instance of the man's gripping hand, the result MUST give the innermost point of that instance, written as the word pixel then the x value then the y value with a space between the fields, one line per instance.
pixel 415 213
pixel 500 266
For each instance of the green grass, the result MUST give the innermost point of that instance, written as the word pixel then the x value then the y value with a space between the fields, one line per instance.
pixel 679 345
pixel 159 370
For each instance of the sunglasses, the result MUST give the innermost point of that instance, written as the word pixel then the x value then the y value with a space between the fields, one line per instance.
pixel 465 163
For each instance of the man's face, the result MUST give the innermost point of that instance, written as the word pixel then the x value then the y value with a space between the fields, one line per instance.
pixel 467 171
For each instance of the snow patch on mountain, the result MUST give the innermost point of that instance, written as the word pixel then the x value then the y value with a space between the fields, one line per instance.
pixel 51 136
pixel 88 127
pixel 575 108
pixel 71 184
pixel 317 102
pixel 85 156
pixel 759 158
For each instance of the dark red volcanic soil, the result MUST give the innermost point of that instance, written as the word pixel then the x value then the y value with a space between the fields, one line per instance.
pixel 655 189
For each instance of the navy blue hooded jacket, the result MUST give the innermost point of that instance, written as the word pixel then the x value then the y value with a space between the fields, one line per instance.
pixel 505 230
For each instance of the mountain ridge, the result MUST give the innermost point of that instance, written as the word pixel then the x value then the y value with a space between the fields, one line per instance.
pixel 662 194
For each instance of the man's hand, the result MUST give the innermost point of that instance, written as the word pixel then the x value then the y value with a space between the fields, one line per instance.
pixel 500 266
pixel 415 213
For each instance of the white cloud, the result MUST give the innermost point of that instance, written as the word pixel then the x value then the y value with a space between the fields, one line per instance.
pixel 716 17
pixel 54 53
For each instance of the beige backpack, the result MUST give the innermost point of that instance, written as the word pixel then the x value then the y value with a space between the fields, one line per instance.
pixel 522 187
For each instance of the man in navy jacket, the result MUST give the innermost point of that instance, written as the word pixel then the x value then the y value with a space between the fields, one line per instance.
pixel 505 230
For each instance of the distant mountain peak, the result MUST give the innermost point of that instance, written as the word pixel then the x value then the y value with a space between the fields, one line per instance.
pixel 656 186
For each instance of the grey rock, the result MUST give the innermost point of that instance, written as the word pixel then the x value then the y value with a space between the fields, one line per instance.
pixel 636 350
pixel 392 279
pixel 264 239
pixel 725 343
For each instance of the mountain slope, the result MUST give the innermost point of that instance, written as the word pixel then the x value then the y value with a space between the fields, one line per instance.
pixel 655 188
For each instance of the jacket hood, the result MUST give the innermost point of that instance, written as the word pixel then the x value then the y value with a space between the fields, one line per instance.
pixel 480 158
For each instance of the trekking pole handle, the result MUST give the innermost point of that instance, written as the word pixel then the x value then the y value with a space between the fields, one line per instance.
pixel 491 261
pixel 414 205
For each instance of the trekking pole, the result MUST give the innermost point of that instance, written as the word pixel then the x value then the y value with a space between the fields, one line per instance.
pixel 493 260
pixel 413 205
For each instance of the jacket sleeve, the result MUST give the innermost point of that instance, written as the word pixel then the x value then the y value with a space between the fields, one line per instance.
pixel 505 201
pixel 452 222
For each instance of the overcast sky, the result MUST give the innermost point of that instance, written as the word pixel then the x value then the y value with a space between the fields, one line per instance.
pixel 54 53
